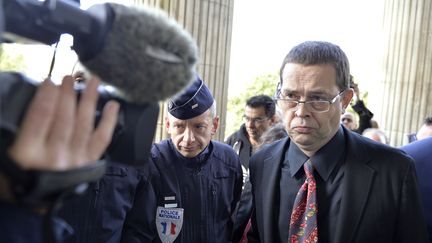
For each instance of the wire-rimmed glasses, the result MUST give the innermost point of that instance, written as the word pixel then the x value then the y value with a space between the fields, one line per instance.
pixel 317 106
pixel 256 120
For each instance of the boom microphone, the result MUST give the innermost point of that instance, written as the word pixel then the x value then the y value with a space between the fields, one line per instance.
pixel 142 52
pixel 146 55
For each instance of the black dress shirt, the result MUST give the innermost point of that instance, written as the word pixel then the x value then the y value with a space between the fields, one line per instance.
pixel 328 165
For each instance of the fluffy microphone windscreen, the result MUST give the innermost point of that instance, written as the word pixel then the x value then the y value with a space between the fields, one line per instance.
pixel 146 55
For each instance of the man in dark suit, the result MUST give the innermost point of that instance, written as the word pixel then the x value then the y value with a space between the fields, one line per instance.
pixel 421 152
pixel 356 190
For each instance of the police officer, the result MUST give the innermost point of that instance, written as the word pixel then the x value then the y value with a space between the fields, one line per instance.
pixel 200 179
pixel 105 212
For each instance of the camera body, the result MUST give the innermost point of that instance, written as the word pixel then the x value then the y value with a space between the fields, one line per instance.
pixel 134 131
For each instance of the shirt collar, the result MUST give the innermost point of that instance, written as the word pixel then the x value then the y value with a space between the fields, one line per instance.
pixel 296 158
pixel 324 160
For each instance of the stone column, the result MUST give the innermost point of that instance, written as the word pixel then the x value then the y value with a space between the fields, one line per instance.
pixel 210 23
pixel 406 89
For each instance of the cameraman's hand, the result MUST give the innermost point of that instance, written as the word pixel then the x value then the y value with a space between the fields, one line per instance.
pixel 58 133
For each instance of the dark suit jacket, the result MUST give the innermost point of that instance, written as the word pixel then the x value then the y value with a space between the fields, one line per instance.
pixel 421 151
pixel 380 200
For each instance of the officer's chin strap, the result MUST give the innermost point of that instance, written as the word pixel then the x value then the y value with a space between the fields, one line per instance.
pixel 36 189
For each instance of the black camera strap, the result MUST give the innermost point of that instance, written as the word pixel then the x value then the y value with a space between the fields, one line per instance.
pixel 37 188
pixel 53 60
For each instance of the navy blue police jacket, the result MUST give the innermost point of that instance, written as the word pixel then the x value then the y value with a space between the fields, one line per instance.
pixel 22 225
pixel 109 210
pixel 206 187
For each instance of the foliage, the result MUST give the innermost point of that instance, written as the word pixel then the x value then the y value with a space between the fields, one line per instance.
pixel 264 84
pixel 10 61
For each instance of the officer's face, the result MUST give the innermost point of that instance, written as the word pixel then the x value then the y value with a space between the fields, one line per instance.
pixel 192 136
pixel 311 130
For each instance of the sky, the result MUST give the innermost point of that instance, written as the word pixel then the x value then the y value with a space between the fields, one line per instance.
pixel 38 57
pixel 265 30
pixel 263 33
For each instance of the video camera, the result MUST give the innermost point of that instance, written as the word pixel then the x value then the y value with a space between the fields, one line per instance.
pixel 36 20
pixel 134 131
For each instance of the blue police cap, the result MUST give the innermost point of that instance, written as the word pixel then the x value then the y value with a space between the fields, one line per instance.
pixel 191 102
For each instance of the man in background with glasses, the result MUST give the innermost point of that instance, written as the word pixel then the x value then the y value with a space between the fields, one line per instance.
pixel 324 182
pixel 259 116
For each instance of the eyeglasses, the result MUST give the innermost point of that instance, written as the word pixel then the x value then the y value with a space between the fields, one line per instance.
pixel 257 120
pixel 317 106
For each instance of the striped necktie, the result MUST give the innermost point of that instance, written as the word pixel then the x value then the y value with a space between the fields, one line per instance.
pixel 303 224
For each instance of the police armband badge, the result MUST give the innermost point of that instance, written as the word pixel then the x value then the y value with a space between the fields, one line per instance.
pixel 169 221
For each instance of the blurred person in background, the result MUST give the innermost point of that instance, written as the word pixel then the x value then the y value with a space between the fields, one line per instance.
pixel 349 120
pixel 242 220
pixel 259 116
pixel 426 129
pixel 375 134
pixel 421 151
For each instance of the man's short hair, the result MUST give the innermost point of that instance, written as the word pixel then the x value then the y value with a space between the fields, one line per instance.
pixel 320 52
pixel 263 101
pixel 428 121
pixel 213 111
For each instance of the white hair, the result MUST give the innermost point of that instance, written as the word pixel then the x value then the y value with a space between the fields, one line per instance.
pixel 213 112
pixel 369 132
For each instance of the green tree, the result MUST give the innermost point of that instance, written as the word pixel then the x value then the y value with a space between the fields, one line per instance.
pixel 10 61
pixel 264 84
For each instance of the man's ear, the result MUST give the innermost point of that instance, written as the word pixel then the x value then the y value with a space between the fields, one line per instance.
pixel 215 123
pixel 167 123
pixel 273 120
pixel 346 98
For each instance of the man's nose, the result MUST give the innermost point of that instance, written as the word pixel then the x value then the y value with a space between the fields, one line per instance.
pixel 188 135
pixel 301 111
pixel 250 123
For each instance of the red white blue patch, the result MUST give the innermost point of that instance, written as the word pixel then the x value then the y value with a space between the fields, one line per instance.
pixel 169 222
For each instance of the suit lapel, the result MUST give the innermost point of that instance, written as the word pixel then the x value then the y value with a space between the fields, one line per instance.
pixel 270 186
pixel 356 188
